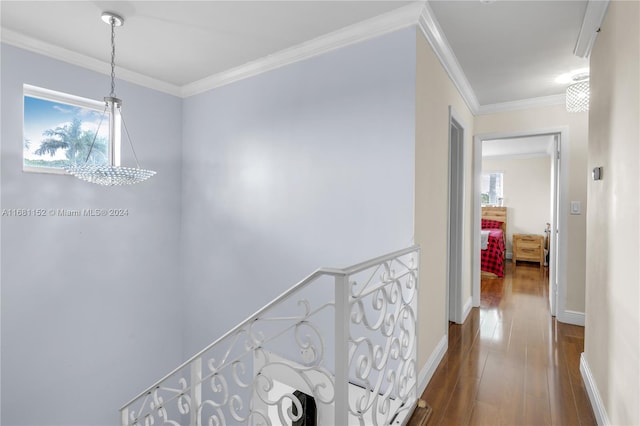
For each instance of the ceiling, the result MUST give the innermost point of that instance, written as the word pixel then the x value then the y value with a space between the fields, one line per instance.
pixel 508 50
pixel 513 50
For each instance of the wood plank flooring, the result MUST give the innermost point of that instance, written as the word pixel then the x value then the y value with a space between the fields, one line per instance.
pixel 511 363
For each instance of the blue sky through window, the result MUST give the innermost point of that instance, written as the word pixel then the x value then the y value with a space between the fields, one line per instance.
pixel 41 115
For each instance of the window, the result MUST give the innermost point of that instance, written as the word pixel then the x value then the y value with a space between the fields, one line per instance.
pixel 59 130
pixel 491 190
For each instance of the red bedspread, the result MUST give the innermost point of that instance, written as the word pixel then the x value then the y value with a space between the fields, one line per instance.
pixel 492 259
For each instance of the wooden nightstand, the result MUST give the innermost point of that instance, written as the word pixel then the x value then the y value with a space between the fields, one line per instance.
pixel 528 247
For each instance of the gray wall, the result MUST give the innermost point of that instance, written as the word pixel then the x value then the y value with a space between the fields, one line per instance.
pixel 89 312
pixel 306 166
pixel 259 183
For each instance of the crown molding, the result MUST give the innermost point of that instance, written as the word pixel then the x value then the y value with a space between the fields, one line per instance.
pixel 593 18
pixel 543 101
pixel 21 41
pixel 436 38
pixel 386 23
pixel 418 13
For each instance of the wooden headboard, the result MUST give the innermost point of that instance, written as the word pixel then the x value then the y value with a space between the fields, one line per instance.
pixel 496 213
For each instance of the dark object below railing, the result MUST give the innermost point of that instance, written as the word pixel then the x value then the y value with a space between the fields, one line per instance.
pixel 309 417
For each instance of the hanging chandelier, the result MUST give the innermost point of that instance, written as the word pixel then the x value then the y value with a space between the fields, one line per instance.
pixel 112 174
pixel 577 97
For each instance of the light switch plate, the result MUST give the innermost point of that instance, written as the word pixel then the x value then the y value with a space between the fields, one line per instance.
pixel 576 207
pixel 597 173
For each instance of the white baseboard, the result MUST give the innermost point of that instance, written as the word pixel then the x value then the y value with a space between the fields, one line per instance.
pixel 467 309
pixel 426 373
pixel 594 395
pixel 571 317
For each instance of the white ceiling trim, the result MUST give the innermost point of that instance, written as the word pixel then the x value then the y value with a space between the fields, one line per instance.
pixel 418 13
pixel 386 23
pixel 46 49
pixel 379 25
pixel 436 38
pixel 593 18
pixel 542 101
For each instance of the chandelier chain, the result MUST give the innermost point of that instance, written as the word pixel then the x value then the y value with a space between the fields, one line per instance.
pixel 113 58
pixel 112 173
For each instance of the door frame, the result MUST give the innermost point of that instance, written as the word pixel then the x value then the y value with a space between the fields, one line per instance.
pixel 556 168
pixel 557 269
pixel 456 310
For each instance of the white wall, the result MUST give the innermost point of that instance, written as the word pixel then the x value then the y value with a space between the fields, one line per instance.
pixel 612 337
pixel 526 190
pixel 306 166
pixel 89 313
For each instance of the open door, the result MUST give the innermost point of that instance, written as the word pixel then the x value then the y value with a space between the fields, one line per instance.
pixel 456 215
pixel 553 236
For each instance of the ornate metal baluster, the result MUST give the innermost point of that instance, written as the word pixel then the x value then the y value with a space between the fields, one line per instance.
pixel 196 391
pixel 342 349
pixel 374 347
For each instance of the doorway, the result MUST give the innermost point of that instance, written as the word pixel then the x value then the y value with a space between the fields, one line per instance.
pixel 557 212
pixel 456 311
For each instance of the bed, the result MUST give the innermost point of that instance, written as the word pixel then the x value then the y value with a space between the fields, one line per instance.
pixel 493 241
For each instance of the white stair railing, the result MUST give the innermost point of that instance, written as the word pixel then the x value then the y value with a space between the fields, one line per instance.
pixel 346 337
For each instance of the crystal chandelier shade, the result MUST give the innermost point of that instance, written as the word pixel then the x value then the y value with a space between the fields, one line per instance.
pixel 578 96
pixel 112 174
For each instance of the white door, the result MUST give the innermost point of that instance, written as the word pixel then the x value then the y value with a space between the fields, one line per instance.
pixel 456 214
pixel 553 243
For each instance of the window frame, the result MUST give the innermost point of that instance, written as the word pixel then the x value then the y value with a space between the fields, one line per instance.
pixel 67 99
pixel 498 197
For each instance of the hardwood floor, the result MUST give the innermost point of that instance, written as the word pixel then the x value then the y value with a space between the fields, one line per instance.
pixel 511 363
